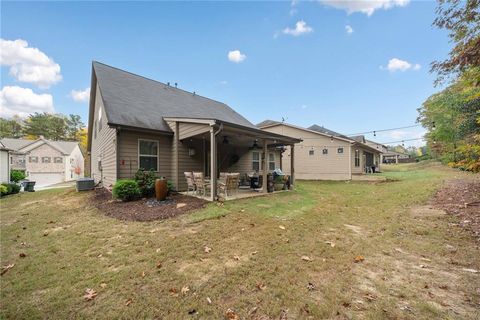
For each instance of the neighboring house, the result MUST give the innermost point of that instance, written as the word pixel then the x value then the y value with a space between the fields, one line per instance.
pixel 136 122
pixel 4 164
pixel 44 161
pixel 324 154
pixel 396 157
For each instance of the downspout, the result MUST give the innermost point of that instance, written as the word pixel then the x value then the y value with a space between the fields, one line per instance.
pixel 350 161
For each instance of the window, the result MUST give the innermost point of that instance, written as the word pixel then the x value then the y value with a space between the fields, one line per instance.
pixel 148 154
pixel 271 161
pixel 311 152
pixel 57 160
pixel 325 151
pixel 33 159
pixel 46 160
pixel 357 158
pixel 340 150
pixel 256 161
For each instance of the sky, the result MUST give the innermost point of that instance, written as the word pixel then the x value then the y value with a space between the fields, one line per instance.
pixel 351 66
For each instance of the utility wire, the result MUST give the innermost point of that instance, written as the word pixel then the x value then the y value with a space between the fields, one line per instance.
pixel 383 130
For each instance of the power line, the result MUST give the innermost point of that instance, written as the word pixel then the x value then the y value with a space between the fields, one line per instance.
pixel 383 130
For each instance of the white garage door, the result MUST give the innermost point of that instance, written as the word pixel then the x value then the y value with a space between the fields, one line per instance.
pixel 43 179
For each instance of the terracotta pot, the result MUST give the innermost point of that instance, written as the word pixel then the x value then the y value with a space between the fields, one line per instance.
pixel 161 189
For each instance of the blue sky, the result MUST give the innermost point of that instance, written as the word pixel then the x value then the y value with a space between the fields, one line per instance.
pixel 299 61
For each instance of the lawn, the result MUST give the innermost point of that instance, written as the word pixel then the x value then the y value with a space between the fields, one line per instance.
pixel 326 250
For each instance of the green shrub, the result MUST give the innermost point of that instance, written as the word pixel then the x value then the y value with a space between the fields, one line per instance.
pixel 3 190
pixel 17 175
pixel 170 187
pixel 126 190
pixel 15 188
pixel 146 182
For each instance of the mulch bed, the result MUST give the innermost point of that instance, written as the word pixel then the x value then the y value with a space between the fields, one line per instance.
pixel 145 209
pixel 462 199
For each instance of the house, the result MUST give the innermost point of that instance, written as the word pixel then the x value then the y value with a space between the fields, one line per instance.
pixel 4 164
pixel 136 122
pixel 45 161
pixel 396 157
pixel 324 154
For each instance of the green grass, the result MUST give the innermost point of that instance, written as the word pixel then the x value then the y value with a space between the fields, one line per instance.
pixel 84 249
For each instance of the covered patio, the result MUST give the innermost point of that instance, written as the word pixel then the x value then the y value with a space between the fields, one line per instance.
pixel 241 158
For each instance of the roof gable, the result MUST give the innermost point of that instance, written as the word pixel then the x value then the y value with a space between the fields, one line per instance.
pixel 135 101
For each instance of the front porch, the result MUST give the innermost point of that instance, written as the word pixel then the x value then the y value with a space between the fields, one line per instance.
pixel 225 151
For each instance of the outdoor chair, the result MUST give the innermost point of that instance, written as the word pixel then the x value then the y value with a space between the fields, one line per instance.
pixel 201 185
pixel 190 182
pixel 230 186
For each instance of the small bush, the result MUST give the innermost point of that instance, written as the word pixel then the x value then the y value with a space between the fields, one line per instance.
pixel 17 175
pixel 146 182
pixel 3 190
pixel 15 188
pixel 126 190
pixel 170 186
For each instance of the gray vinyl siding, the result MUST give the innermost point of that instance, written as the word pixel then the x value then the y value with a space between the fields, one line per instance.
pixel 128 153
pixel 104 146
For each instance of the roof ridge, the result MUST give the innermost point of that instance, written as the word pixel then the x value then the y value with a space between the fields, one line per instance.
pixel 157 81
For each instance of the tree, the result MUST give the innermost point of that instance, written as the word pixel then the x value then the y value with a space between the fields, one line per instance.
pixel 462 20
pixel 51 126
pixel 74 127
pixel 11 128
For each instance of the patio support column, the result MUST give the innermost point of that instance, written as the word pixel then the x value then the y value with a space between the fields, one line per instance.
pixel 265 162
pixel 292 164
pixel 176 143
pixel 213 165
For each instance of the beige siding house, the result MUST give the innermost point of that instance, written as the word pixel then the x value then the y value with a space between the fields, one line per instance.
pixel 4 164
pixel 135 122
pixel 46 162
pixel 324 154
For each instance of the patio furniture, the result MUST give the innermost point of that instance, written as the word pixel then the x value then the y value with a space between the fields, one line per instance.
pixel 202 186
pixel 190 182
pixel 230 185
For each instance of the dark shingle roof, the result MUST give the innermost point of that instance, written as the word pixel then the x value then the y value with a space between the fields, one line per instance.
pixel 324 130
pixel 18 144
pixel 359 138
pixel 134 101
pixel 267 122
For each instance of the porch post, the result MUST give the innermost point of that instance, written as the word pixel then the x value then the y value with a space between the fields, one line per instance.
pixel 292 164
pixel 176 142
pixel 213 165
pixel 396 158
pixel 265 162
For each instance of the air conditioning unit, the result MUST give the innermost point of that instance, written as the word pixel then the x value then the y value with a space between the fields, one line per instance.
pixel 84 184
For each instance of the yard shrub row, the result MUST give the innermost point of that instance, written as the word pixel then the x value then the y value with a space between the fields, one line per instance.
pixel 126 190
pixel 143 185
pixel 9 188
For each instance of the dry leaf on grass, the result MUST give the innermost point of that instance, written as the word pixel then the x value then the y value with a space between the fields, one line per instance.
pixel 207 249
pixel 103 285
pixel 159 265
pixel 306 258
pixel 22 255
pixel 173 292
pixel 331 243
pixel 282 227
pixel 185 289
pixel 358 259
pixel 7 267
pixel 261 286
pixel 90 294
pixel 310 286
pixel 231 315
pixel 209 300
pixel 236 258
pixel 143 274
pixel 254 253
pixel 181 205
pixel 127 303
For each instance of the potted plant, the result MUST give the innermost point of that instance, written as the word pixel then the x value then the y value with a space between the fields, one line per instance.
pixel 278 183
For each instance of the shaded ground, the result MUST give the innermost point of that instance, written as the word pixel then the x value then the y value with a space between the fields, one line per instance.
pixel 144 210
pixel 462 199
pixel 327 250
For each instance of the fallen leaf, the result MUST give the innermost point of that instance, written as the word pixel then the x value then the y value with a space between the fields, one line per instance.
pixel 6 268
pixel 45 233
pixel 207 249
pixel 185 289
pixel 181 205
pixel 254 253
pixel 127 303
pixel 331 243
pixel 252 311
pixel 243 210
pixel 192 311
pixel 143 274
pixel 22 255
pixel 261 286
pixel 173 291
pixel 310 286
pixel 236 258
pixel 209 300
pixel 282 227
pixel 231 315
pixel 358 259
pixel 159 265
pixel 306 258
pixel 90 294
pixel 103 285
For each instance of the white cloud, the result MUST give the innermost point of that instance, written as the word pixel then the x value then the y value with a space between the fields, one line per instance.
pixel 300 28
pixel 236 56
pixel 23 101
pixel 367 7
pixel 349 29
pixel 396 64
pixel 80 95
pixel 29 64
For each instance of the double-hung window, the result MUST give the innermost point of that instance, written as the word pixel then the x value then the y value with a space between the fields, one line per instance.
pixel 33 159
pixel 357 158
pixel 57 160
pixel 46 160
pixel 148 154
pixel 256 161
pixel 271 161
